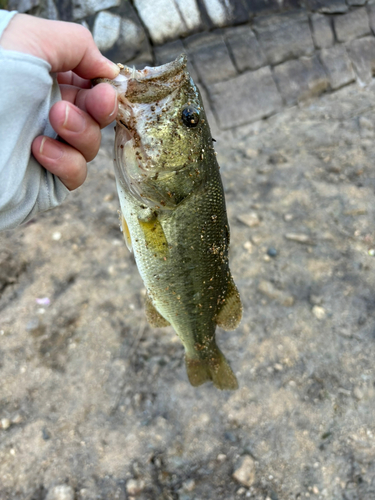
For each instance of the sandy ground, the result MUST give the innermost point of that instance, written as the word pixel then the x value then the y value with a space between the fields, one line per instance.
pixel 95 404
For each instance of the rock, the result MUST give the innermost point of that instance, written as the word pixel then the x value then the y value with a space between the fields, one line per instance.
pixel 300 238
pixel 216 12
pixel 61 492
pixel 327 6
pixel 132 45
pixel 56 236
pixel 238 12
pixel 251 219
pixel 22 5
pixel 106 30
pixel 351 25
pixel 166 19
pixel 371 16
pixel 322 31
pixel 244 48
pixel 5 423
pixel 50 11
pixel 362 56
pixel 245 472
pixel 356 2
pixel 248 97
pixel 188 485
pixel 284 37
pixel 301 78
pixel 84 8
pixel 274 293
pixel 221 457
pixel 319 312
pixel 262 7
pixel 134 486
pixel 338 66
pixel 272 252
pixel 211 58
pixel 358 393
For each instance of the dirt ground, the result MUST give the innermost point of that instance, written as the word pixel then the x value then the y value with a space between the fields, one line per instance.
pixel 95 404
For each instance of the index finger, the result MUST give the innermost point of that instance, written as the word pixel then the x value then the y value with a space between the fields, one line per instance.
pixel 65 46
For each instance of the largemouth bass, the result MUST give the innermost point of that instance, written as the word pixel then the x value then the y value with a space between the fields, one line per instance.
pixel 173 213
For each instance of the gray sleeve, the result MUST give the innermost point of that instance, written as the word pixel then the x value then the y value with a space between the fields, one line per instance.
pixel 27 93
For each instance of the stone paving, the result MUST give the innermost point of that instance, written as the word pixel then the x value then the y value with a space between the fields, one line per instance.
pixel 251 57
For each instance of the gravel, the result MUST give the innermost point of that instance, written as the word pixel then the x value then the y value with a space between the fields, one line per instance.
pixel 99 402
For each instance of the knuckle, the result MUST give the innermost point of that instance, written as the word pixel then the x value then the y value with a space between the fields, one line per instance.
pixel 75 170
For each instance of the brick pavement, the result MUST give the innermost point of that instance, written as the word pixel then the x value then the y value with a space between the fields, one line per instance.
pixel 251 57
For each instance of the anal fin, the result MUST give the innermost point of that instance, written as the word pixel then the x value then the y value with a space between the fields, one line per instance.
pixel 153 316
pixel 230 314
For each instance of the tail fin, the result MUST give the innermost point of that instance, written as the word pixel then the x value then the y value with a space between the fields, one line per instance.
pixel 213 366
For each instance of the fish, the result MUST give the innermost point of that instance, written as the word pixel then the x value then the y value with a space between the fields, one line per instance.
pixel 173 213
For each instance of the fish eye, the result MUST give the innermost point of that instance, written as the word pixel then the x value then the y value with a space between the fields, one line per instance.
pixel 190 116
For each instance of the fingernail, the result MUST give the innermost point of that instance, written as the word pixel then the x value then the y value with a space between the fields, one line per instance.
pixel 74 121
pixel 115 107
pixel 114 68
pixel 50 149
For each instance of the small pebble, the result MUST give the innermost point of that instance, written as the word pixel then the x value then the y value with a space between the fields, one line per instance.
pixel 32 325
pixel 315 490
pixel 134 486
pixel 272 292
pixel 17 419
pixel 5 423
pixel 245 472
pixel 60 492
pixel 241 491
pixel 288 217
pixel 272 252
pixel 248 246
pixel 371 252
pixel 358 393
pixel 189 485
pixel 56 236
pixel 221 457
pixel 251 219
pixel 319 312
pixel 299 238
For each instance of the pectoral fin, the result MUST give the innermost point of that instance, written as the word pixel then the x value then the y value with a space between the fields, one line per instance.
pixel 154 237
pixel 230 314
pixel 153 316
pixel 126 233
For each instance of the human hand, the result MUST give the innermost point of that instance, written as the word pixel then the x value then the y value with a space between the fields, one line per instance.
pixel 70 50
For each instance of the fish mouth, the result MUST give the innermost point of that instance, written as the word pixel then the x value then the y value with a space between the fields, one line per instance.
pixel 151 83
pixel 142 95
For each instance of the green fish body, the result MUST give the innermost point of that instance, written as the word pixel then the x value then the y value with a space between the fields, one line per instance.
pixel 173 213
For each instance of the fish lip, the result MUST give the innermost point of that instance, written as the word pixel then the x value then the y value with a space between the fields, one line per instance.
pixel 148 74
